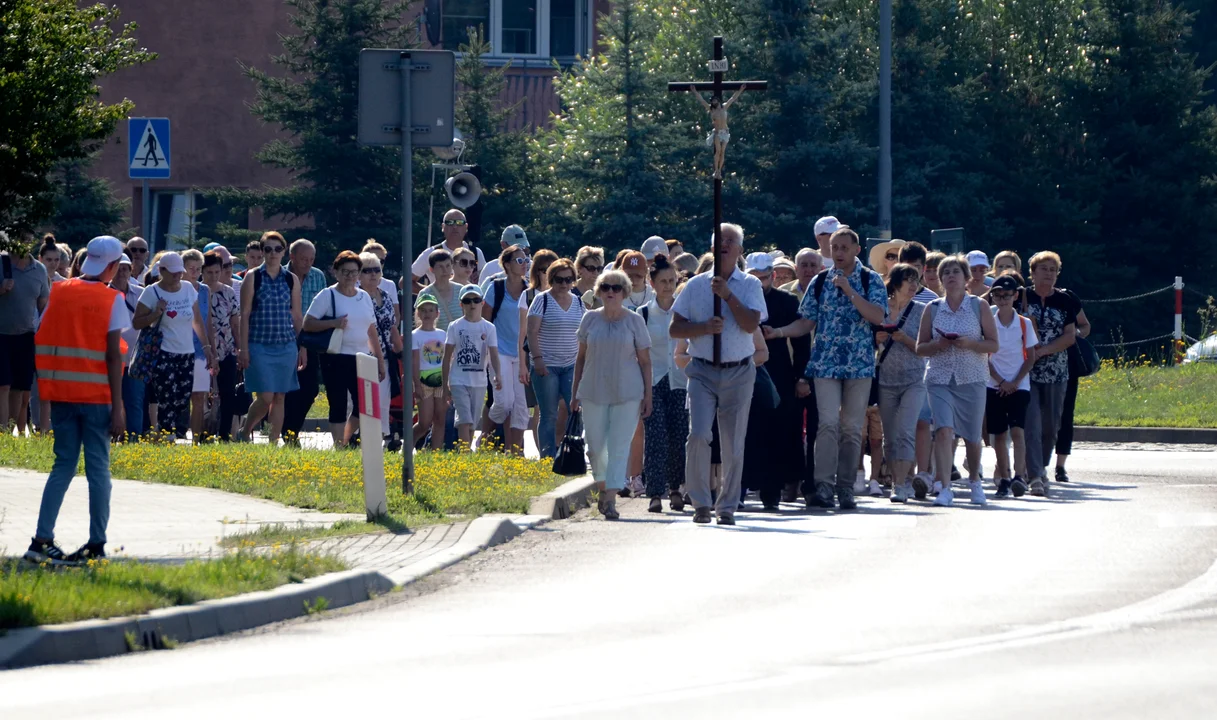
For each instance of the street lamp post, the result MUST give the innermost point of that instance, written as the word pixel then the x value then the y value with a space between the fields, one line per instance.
pixel 885 119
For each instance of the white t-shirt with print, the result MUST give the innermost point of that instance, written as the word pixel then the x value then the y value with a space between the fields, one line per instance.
pixel 177 323
pixel 470 355
pixel 358 310
pixel 430 347
pixel 1008 359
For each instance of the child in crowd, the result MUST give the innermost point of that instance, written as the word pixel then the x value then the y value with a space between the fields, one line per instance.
pixel 428 344
pixel 470 340
pixel 1009 389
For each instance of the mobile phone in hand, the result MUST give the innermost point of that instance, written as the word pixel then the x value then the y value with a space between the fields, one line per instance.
pixel 949 336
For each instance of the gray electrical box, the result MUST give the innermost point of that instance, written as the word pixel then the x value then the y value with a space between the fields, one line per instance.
pixel 432 96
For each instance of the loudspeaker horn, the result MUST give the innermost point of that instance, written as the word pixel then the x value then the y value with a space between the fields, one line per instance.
pixel 463 190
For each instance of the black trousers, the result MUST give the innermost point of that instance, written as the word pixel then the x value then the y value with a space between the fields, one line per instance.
pixel 297 403
pixel 811 415
pixel 1064 436
pixel 226 384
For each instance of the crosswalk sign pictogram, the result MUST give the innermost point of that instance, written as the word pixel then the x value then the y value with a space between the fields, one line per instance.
pixel 148 148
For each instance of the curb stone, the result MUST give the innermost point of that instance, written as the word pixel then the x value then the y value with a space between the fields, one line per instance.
pixel 1165 436
pixel 94 639
pixel 565 500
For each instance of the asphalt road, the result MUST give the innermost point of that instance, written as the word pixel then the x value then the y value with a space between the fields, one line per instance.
pixel 1100 602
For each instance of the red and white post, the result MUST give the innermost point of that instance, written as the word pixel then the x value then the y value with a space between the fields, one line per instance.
pixel 1178 334
pixel 372 452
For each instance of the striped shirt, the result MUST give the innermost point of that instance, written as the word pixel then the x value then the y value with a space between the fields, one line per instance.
pixel 559 344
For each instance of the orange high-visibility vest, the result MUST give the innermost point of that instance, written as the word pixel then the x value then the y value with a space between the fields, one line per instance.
pixel 70 347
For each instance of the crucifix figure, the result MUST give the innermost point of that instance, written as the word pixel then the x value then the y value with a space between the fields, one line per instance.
pixel 719 135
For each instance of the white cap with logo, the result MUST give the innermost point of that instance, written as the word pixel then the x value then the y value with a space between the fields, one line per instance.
pixel 827 225
pixel 653 246
pixel 758 262
pixel 977 258
pixel 102 251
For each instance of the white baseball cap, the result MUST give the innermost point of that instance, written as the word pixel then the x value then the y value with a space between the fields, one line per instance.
pixel 172 262
pixel 102 250
pixel 758 262
pixel 827 224
pixel 124 260
pixel 653 246
pixel 977 258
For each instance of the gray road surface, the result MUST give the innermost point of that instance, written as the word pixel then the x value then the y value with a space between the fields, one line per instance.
pixel 1098 603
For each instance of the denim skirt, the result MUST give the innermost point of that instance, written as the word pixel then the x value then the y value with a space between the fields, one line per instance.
pixel 272 368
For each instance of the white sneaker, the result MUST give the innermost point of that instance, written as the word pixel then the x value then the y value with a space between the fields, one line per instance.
pixel 901 493
pixel 636 486
pixel 1037 488
pixel 945 498
pixel 874 490
pixel 978 493
pixel 860 486
pixel 937 487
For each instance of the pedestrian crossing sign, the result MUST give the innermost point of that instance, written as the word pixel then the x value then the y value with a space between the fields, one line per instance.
pixel 148 148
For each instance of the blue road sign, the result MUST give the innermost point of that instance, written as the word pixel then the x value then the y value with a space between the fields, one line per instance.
pixel 148 148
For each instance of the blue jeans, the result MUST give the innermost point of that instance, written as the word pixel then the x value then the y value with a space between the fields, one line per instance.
pixel 133 405
pixel 78 425
pixel 556 382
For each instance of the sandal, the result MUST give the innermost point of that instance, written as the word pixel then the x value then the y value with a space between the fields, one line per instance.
pixel 656 505
pixel 610 513
pixel 677 501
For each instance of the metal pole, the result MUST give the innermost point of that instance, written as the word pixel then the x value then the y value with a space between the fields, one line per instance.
pixel 146 220
pixel 718 212
pixel 1177 334
pixel 407 252
pixel 885 119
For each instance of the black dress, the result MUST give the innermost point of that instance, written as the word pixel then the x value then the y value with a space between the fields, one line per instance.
pixel 773 449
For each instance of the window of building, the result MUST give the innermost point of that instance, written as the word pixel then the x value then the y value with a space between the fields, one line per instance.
pixel 181 218
pixel 521 28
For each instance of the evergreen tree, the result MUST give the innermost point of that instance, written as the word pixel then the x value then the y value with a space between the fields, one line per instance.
pixel 349 191
pixel 508 183
pixel 51 55
pixel 84 206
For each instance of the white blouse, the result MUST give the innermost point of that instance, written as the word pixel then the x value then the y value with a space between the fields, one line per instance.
pixel 963 366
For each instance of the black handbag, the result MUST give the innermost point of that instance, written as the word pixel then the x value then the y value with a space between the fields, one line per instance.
pixel 322 340
pixel 1083 358
pixel 571 459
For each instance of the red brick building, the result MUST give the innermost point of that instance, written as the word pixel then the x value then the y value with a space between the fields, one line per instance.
pixel 197 83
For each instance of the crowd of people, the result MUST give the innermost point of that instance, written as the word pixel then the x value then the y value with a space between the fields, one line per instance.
pixel 811 365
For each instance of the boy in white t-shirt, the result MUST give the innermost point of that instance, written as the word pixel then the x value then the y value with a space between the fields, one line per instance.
pixel 428 344
pixel 470 340
pixel 1009 389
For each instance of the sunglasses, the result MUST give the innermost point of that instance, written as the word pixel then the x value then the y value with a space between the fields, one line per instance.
pixel 137 250
pixel 606 288
pixel 568 280
pixel 454 222
pixel 466 263
pixel 521 261
pixel 593 268
pixel 371 271
pixel 892 257
pixel 272 248
pixel 471 300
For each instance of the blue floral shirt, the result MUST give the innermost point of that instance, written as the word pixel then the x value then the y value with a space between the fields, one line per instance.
pixel 844 346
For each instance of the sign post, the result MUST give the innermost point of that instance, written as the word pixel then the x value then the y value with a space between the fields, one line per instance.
pixel 147 159
pixel 406 98
pixel 371 453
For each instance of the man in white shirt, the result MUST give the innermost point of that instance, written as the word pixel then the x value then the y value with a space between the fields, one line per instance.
pixel 724 388
pixel 455 228
pixel 825 227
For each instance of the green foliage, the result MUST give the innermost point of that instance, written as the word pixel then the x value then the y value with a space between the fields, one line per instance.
pixel 349 191
pixel 508 184
pixel 85 207
pixel 52 53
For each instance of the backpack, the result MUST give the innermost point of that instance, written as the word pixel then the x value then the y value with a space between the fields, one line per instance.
pixel 291 285
pixel 817 283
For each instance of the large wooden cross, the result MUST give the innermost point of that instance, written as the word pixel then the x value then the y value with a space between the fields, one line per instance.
pixel 718 69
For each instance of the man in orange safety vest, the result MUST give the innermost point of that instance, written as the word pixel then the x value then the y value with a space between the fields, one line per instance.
pixel 79 356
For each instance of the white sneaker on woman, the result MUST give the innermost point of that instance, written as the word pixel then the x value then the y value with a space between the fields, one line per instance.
pixel 945 498
pixel 874 490
pixel 978 493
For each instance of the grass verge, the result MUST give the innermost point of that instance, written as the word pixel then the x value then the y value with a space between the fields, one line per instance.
pixel 35 595
pixel 445 484
pixel 286 533
pixel 1139 395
